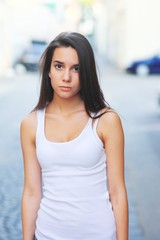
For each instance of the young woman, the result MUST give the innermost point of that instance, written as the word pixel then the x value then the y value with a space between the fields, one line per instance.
pixel 73 149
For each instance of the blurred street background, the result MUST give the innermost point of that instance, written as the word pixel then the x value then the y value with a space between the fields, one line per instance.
pixel 121 32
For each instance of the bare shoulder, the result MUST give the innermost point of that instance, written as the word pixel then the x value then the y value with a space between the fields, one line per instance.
pixel 29 123
pixel 110 118
pixel 110 124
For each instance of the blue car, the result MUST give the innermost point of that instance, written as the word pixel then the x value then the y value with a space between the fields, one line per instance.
pixel 145 67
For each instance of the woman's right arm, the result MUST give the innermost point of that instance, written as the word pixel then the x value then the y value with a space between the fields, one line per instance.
pixel 32 191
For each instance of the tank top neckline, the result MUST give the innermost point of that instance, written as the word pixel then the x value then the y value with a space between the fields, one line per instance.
pixel 89 122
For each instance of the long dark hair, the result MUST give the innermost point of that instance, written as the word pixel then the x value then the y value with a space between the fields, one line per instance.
pixel 90 92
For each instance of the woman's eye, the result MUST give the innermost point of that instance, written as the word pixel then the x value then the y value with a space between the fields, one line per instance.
pixel 76 68
pixel 58 66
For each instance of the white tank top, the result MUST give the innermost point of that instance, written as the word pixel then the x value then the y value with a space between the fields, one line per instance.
pixel 75 203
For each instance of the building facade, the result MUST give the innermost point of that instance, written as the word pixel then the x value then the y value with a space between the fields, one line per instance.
pixel 133 29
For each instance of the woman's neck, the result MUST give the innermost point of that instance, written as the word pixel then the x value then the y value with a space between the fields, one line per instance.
pixel 65 106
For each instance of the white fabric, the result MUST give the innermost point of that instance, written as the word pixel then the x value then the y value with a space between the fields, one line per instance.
pixel 75 203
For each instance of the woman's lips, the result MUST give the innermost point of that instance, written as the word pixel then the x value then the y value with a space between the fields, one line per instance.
pixel 64 88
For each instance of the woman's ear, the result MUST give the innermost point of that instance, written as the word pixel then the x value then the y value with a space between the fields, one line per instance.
pixel 49 74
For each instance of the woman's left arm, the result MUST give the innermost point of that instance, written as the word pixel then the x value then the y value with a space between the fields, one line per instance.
pixel 113 138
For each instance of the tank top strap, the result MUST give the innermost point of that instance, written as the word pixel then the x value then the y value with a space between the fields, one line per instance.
pixel 40 121
pixel 40 115
pixel 95 121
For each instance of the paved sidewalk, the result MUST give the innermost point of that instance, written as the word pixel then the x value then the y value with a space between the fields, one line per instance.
pixel 135 230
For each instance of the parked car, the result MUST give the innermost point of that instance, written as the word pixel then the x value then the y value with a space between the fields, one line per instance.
pixel 145 66
pixel 29 59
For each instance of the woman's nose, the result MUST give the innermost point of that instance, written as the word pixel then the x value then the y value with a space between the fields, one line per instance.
pixel 67 76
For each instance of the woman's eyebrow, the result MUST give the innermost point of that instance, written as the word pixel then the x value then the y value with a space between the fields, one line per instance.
pixel 57 61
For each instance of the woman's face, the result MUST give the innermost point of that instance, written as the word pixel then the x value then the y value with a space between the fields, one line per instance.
pixel 64 72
